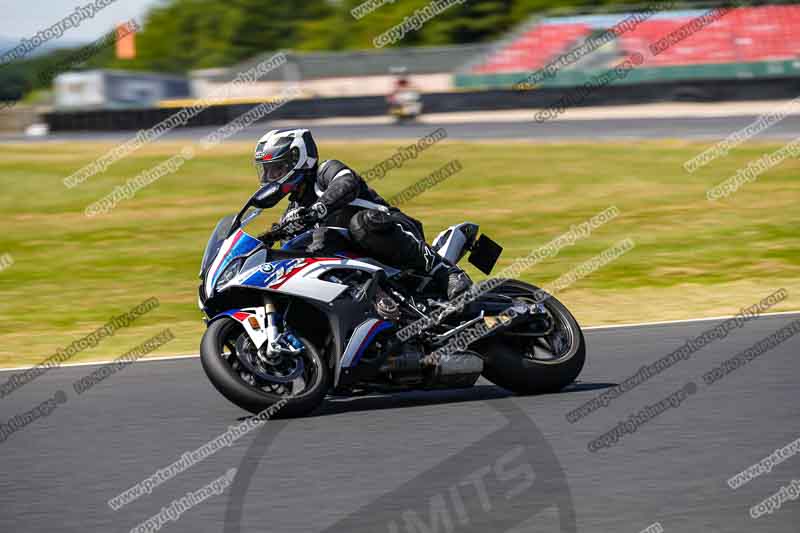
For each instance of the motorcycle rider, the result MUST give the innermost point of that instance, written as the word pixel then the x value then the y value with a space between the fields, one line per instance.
pixel 404 101
pixel 332 194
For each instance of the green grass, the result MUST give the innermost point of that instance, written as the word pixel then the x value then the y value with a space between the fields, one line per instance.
pixel 692 257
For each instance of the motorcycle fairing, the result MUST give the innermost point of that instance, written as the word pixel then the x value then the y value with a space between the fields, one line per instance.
pixel 300 277
pixel 242 316
pixel 362 337
pixel 237 245
pixel 455 241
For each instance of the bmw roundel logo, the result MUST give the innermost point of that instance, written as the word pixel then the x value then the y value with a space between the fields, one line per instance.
pixel 267 268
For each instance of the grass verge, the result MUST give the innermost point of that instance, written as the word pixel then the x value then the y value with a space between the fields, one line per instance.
pixel 692 258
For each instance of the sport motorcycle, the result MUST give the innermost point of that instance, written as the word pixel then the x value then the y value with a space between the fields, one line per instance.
pixel 293 318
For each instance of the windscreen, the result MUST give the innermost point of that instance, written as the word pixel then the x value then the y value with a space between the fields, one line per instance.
pixel 215 241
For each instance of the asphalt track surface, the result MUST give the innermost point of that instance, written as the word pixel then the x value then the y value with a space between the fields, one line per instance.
pixel 399 462
pixel 705 128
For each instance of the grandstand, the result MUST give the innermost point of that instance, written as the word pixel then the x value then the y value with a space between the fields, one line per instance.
pixel 535 47
pixel 741 36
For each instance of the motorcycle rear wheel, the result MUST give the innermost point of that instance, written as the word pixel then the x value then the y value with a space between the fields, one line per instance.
pixel 218 357
pixel 508 361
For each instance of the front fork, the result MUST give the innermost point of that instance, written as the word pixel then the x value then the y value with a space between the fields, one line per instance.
pixel 267 330
pixel 279 340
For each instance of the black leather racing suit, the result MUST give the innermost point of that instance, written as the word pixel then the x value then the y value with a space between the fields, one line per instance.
pixel 385 232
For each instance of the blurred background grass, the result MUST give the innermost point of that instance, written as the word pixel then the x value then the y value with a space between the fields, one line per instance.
pixel 692 258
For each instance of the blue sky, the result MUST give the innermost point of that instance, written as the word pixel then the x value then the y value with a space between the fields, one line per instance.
pixel 23 18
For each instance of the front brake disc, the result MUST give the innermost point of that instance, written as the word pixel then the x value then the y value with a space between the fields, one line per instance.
pixel 247 353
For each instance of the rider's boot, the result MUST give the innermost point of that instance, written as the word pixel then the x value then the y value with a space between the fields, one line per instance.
pixel 450 278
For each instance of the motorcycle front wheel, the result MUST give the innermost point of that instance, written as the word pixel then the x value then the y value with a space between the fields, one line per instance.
pixel 535 364
pixel 221 360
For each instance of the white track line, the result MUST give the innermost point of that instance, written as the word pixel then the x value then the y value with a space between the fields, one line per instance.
pixel 687 321
pixel 588 328
pixel 100 363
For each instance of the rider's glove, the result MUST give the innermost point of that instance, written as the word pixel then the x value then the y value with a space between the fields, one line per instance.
pixel 306 216
pixel 293 215
pixel 301 218
pixel 294 220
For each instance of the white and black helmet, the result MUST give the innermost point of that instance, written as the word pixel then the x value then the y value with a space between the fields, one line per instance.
pixel 286 156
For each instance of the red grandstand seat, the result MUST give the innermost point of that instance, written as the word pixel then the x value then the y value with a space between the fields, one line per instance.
pixel 746 34
pixel 534 48
pixel 767 33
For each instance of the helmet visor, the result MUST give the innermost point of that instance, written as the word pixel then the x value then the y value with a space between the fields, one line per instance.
pixel 271 171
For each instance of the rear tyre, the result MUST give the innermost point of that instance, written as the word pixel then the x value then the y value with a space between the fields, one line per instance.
pixel 217 354
pixel 511 361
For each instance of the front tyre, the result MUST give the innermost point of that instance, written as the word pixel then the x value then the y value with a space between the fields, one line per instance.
pixel 535 365
pixel 223 368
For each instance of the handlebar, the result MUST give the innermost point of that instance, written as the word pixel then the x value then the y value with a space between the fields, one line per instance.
pixel 272 236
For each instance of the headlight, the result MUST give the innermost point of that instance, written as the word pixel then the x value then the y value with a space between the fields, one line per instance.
pixel 229 273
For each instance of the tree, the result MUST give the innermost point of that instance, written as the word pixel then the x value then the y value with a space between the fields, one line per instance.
pixel 263 27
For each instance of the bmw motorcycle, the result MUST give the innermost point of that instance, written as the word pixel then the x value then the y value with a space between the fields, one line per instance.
pixel 290 325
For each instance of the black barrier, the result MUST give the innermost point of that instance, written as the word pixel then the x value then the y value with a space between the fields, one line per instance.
pixel 492 100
